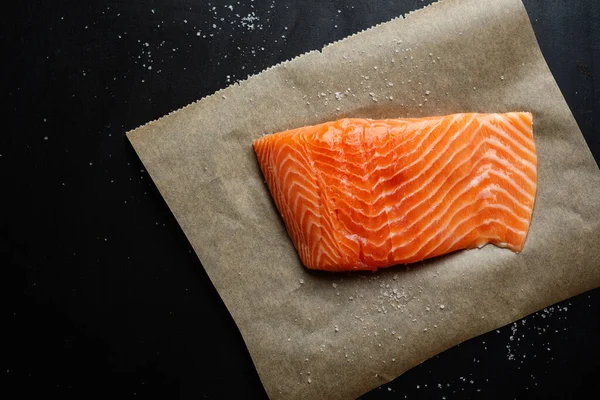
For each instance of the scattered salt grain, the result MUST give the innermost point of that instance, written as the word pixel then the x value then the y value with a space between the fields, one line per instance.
pixel 442 306
pixel 301 281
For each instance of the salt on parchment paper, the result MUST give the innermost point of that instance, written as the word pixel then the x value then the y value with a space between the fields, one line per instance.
pixel 318 335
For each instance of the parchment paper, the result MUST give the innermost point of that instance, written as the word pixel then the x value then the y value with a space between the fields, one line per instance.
pixel 317 335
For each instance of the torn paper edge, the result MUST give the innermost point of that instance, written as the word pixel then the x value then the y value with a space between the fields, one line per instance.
pixel 400 18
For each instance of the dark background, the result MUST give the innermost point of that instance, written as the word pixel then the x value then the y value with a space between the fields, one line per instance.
pixel 105 297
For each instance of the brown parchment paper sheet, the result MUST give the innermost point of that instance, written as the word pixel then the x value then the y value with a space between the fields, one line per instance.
pixel 347 332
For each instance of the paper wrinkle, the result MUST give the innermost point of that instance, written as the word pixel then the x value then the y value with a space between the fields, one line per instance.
pixel 201 160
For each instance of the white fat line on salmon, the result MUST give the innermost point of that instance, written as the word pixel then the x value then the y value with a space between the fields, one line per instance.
pixel 433 218
pixel 451 229
pixel 486 222
pixel 384 195
pixel 526 136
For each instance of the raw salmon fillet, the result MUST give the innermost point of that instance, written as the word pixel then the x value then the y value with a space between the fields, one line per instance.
pixel 360 194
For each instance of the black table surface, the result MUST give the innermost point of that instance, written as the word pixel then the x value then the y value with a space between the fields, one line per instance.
pixel 106 298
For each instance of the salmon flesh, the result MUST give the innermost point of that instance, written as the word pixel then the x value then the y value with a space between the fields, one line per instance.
pixel 361 194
